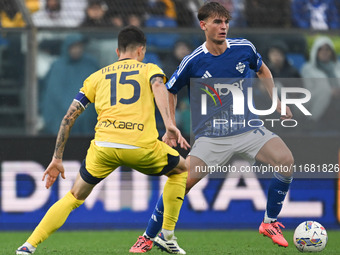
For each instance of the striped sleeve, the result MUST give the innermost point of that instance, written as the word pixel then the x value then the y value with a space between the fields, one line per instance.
pixel 181 76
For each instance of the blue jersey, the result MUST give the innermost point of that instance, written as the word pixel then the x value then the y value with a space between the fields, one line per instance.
pixel 237 64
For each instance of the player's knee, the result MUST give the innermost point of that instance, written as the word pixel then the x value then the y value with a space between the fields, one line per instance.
pixel 283 159
pixel 79 195
pixel 287 159
pixel 176 170
pixel 285 162
pixel 75 194
pixel 180 168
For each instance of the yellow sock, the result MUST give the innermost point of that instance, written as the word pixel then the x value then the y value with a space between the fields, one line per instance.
pixel 54 218
pixel 173 195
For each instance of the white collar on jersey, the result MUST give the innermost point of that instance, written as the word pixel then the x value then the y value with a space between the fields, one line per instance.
pixel 205 50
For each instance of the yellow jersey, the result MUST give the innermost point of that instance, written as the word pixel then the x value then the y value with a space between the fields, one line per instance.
pixel 124 102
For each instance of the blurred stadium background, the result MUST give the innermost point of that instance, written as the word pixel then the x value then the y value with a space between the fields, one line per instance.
pixel 32 36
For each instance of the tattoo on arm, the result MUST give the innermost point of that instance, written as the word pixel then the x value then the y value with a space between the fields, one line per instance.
pixel 67 123
pixel 157 79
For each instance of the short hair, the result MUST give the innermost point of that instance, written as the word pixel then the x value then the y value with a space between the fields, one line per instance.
pixel 130 37
pixel 212 9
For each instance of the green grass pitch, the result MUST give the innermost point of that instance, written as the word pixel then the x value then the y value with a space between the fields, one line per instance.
pixel 193 242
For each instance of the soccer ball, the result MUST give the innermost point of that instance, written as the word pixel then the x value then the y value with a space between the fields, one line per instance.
pixel 310 236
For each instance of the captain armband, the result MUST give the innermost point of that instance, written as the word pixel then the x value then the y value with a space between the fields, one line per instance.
pixel 82 99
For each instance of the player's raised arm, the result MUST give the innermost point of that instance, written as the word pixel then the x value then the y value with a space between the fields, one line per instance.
pixel 266 78
pixel 173 134
pixel 56 166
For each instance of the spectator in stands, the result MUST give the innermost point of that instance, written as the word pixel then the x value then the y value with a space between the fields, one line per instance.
pixel 96 14
pixel 278 62
pixel 185 13
pixel 322 79
pixel 49 16
pixel 315 14
pixel 134 20
pixel 115 19
pixel 157 17
pixel 60 13
pixel 180 50
pixel 164 8
pixel 268 13
pixel 48 52
pixel 285 75
pixel 10 15
pixel 123 12
pixel 74 11
pixel 67 74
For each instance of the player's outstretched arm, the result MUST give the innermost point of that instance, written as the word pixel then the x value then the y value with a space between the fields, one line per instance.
pixel 173 135
pixel 168 137
pixel 56 165
pixel 266 78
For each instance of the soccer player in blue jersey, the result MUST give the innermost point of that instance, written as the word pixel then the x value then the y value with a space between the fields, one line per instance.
pixel 219 57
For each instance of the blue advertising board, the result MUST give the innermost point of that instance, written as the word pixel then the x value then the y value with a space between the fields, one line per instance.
pixel 126 198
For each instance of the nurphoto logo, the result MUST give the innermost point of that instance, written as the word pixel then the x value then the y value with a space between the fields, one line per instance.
pixel 236 98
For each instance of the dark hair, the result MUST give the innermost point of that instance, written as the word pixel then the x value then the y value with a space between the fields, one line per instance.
pixel 58 8
pixel 130 37
pixel 213 9
pixel 100 3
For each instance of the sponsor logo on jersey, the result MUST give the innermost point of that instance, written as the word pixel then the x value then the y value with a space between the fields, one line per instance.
pixel 206 75
pixel 120 125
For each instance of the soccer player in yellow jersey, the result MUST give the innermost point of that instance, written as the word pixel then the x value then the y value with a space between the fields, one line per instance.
pixel 126 134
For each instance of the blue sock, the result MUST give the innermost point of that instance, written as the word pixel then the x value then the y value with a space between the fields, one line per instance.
pixel 277 191
pixel 156 220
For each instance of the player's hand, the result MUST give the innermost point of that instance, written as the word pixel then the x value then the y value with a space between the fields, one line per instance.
pixel 288 115
pixel 53 170
pixel 173 136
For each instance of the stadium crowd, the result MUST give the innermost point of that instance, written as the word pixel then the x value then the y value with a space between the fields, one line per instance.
pixel 314 14
pixel 287 56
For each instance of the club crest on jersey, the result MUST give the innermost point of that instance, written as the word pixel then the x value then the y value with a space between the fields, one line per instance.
pixel 240 67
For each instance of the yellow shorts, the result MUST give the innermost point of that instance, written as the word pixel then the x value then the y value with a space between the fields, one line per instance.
pixel 157 160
